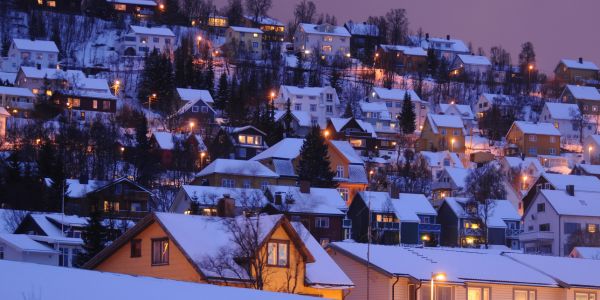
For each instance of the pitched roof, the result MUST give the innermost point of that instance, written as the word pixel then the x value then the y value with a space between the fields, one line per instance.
pixel 458 175
pixel 492 98
pixel 584 204
pixel 209 195
pixel 448 121
pixel 588 252
pixel 265 20
pixel 464 110
pixel 455 44
pixel 237 167
pixel 246 29
pixel 537 128
pixel 304 91
pixel 408 206
pixel 347 151
pixel 474 60
pixel 395 94
pixel 194 94
pixel 24 243
pixel 35 45
pixel 165 140
pixel 437 158
pixel 584 92
pixel 339 123
pixel 575 64
pixel 318 29
pixel 162 31
pixel 16 91
pixel 562 111
pixel 357 28
pixel 303 117
pixel 581 183
pixel 288 148
pixel 499 211
pixel 326 201
pixel 52 73
pixel 407 50
pixel 590 169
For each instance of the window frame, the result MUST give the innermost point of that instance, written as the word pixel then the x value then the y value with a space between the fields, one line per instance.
pixel 481 288
pixel 133 251
pixel 320 224
pixel 515 290
pixel 279 242
pixel 160 240
pixel 588 294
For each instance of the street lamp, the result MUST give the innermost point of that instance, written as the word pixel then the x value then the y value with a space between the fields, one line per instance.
pixel 116 86
pixel 326 133
pixel 452 144
pixel 202 155
pixel 590 148
pixel 529 69
pixel 439 276
pixel 150 98
pixel 192 127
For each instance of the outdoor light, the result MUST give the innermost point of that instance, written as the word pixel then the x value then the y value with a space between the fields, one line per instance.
pixel 348 55
pixel 326 133
pixel 199 38
pixel 470 240
pixel 425 238
pixel 122 149
pixel 307 51
pixel 439 276
pixel 530 67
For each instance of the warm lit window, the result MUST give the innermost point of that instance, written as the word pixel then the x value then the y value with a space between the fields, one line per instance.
pixel 343 193
pixel 95 104
pixel 51 3
pixel 328 38
pixel 322 222
pixel 384 218
pixel 111 206
pixel 278 253
pixel 357 143
pixel 478 293
pixel 76 102
pixel 160 251
pixel 524 295
pixel 255 35
pixel 136 248
pixel 585 296
pixel 592 228
pixel 120 7
pixel 327 49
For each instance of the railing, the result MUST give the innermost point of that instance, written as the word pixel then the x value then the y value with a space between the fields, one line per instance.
pixel 471 231
pixel 347 223
pixel 513 233
pixel 387 225
pixel 430 227
pixel 536 236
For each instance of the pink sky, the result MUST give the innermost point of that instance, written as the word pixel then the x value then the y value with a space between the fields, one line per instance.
pixel 557 28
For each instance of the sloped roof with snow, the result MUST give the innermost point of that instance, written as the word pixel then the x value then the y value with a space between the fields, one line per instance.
pixel 52 73
pixel 583 204
pixel 588 252
pixel 24 243
pixel 408 207
pixel 246 29
pixel 194 94
pixel 437 158
pixel 237 167
pixel 464 110
pixel 99 84
pixel 318 201
pixel 474 60
pixel 339 123
pixel 395 94
pixel 458 175
pixel 590 169
pixel 265 20
pixel 562 111
pixel 536 128
pixel 288 148
pixel 407 50
pixel 161 31
pixel 448 121
pixel 303 117
pixel 316 29
pixel 379 107
pixel 581 183
pixel 584 65
pixel 284 167
pixel 209 195
pixel 584 92
pixel 165 140
pixel 76 189
pixel 16 91
pixel 455 44
pixel 35 45
pixel 303 91
pixel 499 211
pixel 493 98
pixel 420 263
pixel 347 151
pixel 377 201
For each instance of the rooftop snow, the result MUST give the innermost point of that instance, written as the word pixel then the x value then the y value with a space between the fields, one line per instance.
pixel 25 243
pixel 474 60
pixel 304 91
pixel 319 29
pixel 407 50
pixel 437 158
pixel 408 206
pixel 209 195
pixel 193 95
pixel 373 107
pixel 562 111
pixel 588 252
pixel 136 2
pixel 246 29
pixel 584 204
pixel 35 45
pixel 440 43
pixel 303 117
pixel 317 201
pixel 345 148
pixel 395 94
pixel 52 73
pixel 16 91
pixel 458 175
pixel 537 128
pixel 161 31
pixel 448 121
pixel 464 110
pixel 6 76
pixel 166 141
pixel 581 183
pixel 288 148
pixel 264 20
pixel 584 92
pixel 584 65
pixel 590 169
pixel 99 84
pixel 237 167
pixel 495 97
pixel 76 189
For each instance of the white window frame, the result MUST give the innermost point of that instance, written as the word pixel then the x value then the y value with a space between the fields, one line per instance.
pixel 322 222
pixel 227 182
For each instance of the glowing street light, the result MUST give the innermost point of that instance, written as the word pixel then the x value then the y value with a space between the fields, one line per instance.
pixel 590 148
pixel 326 133
pixel 161 7
pixel 439 276
pixel 202 155
pixel 452 144
pixel 116 86
pixel 192 126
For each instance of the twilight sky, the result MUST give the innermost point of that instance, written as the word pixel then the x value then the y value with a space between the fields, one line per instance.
pixel 557 28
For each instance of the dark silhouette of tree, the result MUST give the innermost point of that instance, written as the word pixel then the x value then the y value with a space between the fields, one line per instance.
pixel 407 116
pixel 314 164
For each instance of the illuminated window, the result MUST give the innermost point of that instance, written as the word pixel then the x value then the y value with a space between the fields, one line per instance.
pixel 592 228
pixel 357 143
pixel 51 3
pixel 120 7
pixel 585 296
pixel 250 139
pixel 343 193
pixel 95 104
pixel 524 295
pixel 478 293
pixel 278 253
pixel 328 38
pixel 76 102
pixel 255 35
pixel 327 49
pixel 160 251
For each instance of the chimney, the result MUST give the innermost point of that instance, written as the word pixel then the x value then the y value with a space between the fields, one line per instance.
pixel 448 37
pixel 571 190
pixel 305 187
pixel 83 179
pixel 226 206
pixel 427 36
pixel 581 60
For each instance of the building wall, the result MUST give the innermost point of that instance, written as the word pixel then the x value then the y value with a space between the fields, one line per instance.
pixel 308 41
pixel 11 253
pixel 239 180
pixel 42 58
pixel 570 75
pixel 542 143
pixel 395 108
pixel 436 141
pixel 320 115
pixel 247 41
pixel 141 48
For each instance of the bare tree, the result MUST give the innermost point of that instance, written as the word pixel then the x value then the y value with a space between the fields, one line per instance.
pixel 579 122
pixel 258 8
pixel 398 26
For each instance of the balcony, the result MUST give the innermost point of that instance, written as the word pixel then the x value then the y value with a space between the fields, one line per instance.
pixel 536 236
pixel 347 223
pixel 513 233
pixel 430 227
pixel 387 226
pixel 471 232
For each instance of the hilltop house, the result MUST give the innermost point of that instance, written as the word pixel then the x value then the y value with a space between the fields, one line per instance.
pixel 142 9
pixel 442 132
pixel 567 118
pixel 164 144
pixel 471 66
pixel 31 53
pixel 578 71
pixel 326 40
pixel 273 30
pixel 19 101
pixel 437 161
pixel 403 58
pixel 247 42
pixel 486 101
pixel 404 219
pixel 238 142
pixel 358 133
pixel 586 97
pixel 393 99
pixel 200 249
pixel 446 49
pixel 300 121
pixel 139 40
pixel 532 139
pixel 450 183
pixel 364 38
pixel 320 102
pixel 195 111
pixel 233 173
pixel 50 79
pixel 379 117
pixel 217 201
pixel 461 110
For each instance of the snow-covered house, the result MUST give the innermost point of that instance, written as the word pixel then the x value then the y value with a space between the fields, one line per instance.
pixel 378 114
pixel 402 58
pixel 585 252
pixel 139 40
pixel 389 273
pixel 195 111
pixel 393 99
pixel 320 102
pixel 273 30
pixel 300 121
pixel 31 53
pixel 405 219
pixel 554 215
pixel 442 132
pixel 464 223
pixel 486 101
pixel 320 210
pixel 567 118
pixel 217 200
pixel 446 48
pixel 586 170
pixel 201 249
pixel 437 161
pixel 450 183
pixel 234 173
pixel 324 39
pixel 577 71
pixel 18 278
pixel 17 98
pixel 365 37
pixel 358 133
pixel 140 8
pixel 586 97
pixel 165 143
pixel 247 41
pixel 36 79
pixel 471 66
pixel 238 142
pixel 461 110
pixel 532 139
pixel 86 105
pixel 21 247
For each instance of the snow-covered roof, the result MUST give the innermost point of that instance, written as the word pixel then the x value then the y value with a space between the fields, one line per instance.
pixel 572 272
pixel 584 92
pixel 492 98
pixel 318 201
pixel 474 60
pixel 362 28
pixel 407 50
pixel 575 64
pixel 395 94
pixel 448 121
pixel 584 204
pixel 194 94
pixel 288 148
pixel 562 111
pixel 357 173
pixel 499 211
pixel 284 167
pixel 345 148
pixel 20 278
pixel 588 252
pixel 374 107
pixel 246 29
pixel 7 76
pixel 455 44
pixel 325 29
pixel 237 167
pixel 136 2
pixel 209 195
pixel 16 91
pixel 458 175
pixel 303 117
pixel 35 45
pixel 463 110
pixel 24 243
pixel 99 84
pixel 339 123
pixel 165 139
pixel 76 189
pixel 420 263
pixel 437 158
pixel 408 207
pixel 303 91
pixel 581 183
pixel 537 128
pixel 377 201
pixel 265 20
pixel 52 73
pixel 161 31
pixel 590 169
pixel 45 222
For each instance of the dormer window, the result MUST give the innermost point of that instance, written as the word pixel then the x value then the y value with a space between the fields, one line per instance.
pixel 278 253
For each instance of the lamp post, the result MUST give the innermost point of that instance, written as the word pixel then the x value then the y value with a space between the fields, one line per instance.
pixel 326 134
pixel 199 39
pixel 452 144
pixel 192 127
pixel 439 276
pixel 529 69
pixel 150 98
pixel 116 86
pixel 202 155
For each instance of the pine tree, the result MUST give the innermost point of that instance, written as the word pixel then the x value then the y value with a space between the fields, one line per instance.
pixel 222 92
pixel 314 164
pixel 94 237
pixel 407 116
pixel 144 161
pixel 5 44
pixel 348 112
pixel 287 119
pixel 298 79
pixel 158 78
pixel 51 165
pixel 57 40
pixel 209 76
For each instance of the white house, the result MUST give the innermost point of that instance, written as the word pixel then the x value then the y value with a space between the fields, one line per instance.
pixel 140 40
pixel 437 161
pixel 461 110
pixel 320 102
pixel 446 48
pixel 474 66
pixel 393 99
pixel 486 101
pixel 378 115
pixel 328 40
pixel 16 98
pixel 565 116
pixel 24 52
pixel 20 247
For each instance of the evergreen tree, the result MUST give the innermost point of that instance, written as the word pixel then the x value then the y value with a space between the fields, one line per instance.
pixel 51 165
pixel 314 164
pixel 57 40
pixel 298 79
pixel 222 92
pixel 348 112
pixel 5 44
pixel 97 8
pixel 144 161
pixel 235 12
pixel 171 13
pixel 158 79
pixel 94 237
pixel 287 119
pixel 209 76
pixel 407 116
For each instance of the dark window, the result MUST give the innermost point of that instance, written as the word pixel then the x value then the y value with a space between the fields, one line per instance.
pixel 545 227
pixel 571 227
pixel 136 248
pixel 541 207
pixel 160 251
